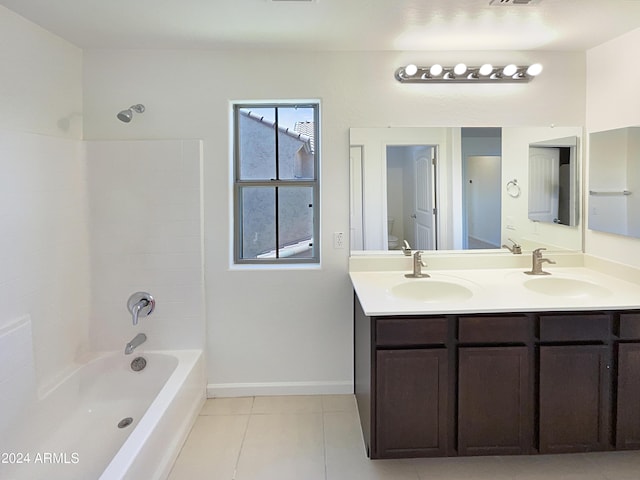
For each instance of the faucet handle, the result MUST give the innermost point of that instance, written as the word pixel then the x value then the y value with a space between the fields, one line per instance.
pixel 140 304
pixel 538 251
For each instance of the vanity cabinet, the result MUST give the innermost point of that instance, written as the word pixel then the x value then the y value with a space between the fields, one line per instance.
pixel 628 398
pixel 575 382
pixel 574 398
pixel 497 384
pixel 411 401
pixel 411 379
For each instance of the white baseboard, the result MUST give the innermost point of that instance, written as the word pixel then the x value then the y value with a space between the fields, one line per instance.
pixel 278 388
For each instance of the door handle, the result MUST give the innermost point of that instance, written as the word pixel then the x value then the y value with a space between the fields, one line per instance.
pixel 413 216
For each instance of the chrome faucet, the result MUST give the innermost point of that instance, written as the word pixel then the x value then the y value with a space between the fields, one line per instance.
pixel 516 249
pixel 406 249
pixel 140 304
pixel 138 340
pixel 537 261
pixel 418 263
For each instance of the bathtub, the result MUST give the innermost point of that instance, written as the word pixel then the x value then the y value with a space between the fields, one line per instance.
pixel 74 433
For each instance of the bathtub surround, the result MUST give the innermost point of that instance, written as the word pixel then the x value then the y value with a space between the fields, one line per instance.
pixel 17 376
pixel 55 222
pixel 44 247
pixel 145 236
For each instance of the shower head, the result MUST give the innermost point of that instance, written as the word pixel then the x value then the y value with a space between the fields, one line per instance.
pixel 126 115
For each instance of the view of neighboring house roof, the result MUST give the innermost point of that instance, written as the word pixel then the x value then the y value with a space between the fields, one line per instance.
pixel 307 129
pixel 304 134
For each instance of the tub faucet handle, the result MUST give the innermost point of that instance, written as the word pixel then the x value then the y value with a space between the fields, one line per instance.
pixel 140 304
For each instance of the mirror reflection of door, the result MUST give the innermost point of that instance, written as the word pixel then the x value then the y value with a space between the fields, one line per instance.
pixel 544 184
pixel 411 196
pixel 483 201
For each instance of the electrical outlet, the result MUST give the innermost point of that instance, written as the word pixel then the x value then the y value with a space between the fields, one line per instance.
pixel 338 239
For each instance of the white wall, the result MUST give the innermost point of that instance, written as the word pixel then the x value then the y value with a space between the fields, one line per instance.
pixel 41 80
pixel 292 327
pixel 44 272
pixel 613 101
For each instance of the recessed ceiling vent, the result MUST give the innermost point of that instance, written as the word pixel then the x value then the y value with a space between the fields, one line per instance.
pixel 514 3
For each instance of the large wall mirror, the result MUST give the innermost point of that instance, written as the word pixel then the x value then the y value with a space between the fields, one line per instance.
pixel 614 181
pixel 459 188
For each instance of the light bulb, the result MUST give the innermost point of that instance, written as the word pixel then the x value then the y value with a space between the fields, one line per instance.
pixel 435 70
pixel 459 69
pixel 410 70
pixel 534 69
pixel 510 70
pixel 486 69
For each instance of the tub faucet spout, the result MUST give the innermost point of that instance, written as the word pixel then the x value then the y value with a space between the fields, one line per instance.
pixel 138 340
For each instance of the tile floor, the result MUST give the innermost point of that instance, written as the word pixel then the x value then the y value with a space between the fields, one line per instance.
pixel 319 438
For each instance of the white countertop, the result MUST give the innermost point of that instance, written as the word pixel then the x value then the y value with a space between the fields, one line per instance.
pixel 497 290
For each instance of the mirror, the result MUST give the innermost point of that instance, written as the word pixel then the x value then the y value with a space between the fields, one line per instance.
pixel 553 181
pixel 476 197
pixel 614 181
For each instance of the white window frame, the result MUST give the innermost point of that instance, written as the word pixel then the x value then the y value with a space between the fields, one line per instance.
pixel 238 184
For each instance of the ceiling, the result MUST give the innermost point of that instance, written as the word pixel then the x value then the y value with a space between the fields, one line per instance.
pixel 355 25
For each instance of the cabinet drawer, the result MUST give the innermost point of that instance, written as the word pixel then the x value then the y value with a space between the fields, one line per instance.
pixel 513 329
pixel 574 327
pixel 630 325
pixel 394 332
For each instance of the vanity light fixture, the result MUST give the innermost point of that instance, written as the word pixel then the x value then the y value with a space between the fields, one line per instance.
pixel 461 73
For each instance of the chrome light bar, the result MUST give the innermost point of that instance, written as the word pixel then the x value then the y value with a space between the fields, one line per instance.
pixel 461 73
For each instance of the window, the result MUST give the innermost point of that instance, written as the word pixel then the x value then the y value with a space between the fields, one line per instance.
pixel 276 188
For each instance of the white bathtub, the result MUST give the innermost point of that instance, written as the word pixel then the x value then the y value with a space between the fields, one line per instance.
pixel 73 432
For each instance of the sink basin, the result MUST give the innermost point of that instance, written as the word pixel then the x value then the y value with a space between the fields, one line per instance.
pixel 431 291
pixel 566 287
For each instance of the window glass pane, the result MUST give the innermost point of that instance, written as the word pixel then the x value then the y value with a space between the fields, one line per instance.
pixel 256 143
pixel 258 221
pixel 296 152
pixel 295 222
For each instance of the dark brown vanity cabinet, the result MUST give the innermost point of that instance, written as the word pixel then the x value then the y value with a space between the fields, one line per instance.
pixel 494 416
pixel 495 385
pixel 574 398
pixel 575 383
pixel 411 381
pixel 411 402
pixel 498 384
pixel 628 398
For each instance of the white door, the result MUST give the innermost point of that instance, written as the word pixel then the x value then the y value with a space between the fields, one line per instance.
pixel 544 184
pixel 425 212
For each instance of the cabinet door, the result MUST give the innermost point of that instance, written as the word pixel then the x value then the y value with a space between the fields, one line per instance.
pixel 628 419
pixel 494 404
pixel 411 403
pixel 574 398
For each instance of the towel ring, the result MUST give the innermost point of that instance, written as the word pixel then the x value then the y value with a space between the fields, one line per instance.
pixel 513 189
